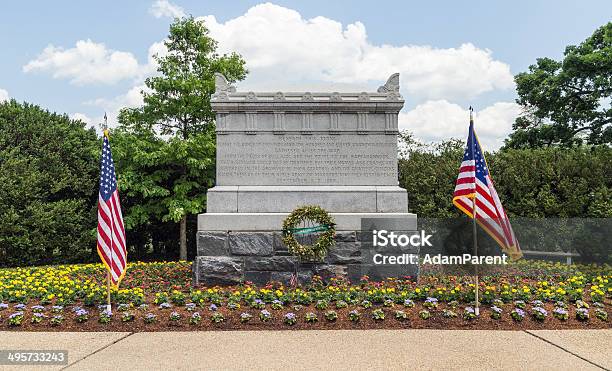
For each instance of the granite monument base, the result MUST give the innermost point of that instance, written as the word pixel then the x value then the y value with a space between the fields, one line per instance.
pixel 234 248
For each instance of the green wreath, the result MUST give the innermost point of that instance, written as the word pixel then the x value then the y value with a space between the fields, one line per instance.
pixel 318 250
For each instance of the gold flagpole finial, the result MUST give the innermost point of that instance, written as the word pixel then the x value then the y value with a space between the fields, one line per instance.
pixel 105 126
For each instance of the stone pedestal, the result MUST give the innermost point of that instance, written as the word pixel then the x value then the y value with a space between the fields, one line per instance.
pixel 278 151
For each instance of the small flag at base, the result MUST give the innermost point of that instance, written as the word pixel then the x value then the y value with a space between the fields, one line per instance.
pixel 111 233
pixel 474 183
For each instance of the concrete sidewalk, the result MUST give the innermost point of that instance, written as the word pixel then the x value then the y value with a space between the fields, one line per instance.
pixel 304 350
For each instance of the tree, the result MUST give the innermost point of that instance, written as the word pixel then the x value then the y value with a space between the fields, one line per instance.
pixel 168 158
pixel 48 187
pixel 567 103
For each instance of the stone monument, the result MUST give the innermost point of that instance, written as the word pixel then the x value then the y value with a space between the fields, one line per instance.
pixel 278 151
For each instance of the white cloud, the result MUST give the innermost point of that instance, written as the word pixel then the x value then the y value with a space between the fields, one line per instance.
pixel 87 63
pixel 164 8
pixel 83 117
pixel 4 95
pixel 439 120
pixel 133 98
pixel 278 44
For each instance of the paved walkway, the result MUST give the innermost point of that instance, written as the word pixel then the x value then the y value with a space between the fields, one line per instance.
pixel 323 350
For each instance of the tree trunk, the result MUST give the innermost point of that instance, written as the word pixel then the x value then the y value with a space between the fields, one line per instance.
pixel 183 238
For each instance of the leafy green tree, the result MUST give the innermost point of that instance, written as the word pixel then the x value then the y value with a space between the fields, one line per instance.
pixel 168 151
pixel 567 102
pixel 428 173
pixel 48 187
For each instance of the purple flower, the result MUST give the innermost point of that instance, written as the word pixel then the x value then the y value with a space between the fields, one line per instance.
pixel 16 314
pixel 196 315
pixel 469 309
pixel 213 308
pixel 290 316
pixel 107 313
pixel 20 306
pixel 59 308
pixel 431 300
pixel 582 312
pixel 540 310
pixel 190 306
pixel 265 313
pixel 150 316
pixel 496 309
pixel 3 306
pixel 245 316
pixel 165 306
pixel 520 312
pixel 76 309
pixel 81 312
pixel 39 315
pixel 560 311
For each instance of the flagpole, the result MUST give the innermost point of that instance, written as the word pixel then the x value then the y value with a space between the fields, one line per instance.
pixel 474 226
pixel 108 273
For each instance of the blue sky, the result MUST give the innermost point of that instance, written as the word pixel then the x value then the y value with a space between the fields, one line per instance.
pixel 85 59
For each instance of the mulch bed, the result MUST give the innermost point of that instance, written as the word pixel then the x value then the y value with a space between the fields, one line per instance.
pixel 232 320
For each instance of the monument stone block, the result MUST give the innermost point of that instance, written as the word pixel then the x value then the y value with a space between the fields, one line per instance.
pixel 277 151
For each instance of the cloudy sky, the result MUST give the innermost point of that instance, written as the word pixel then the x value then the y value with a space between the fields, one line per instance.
pixel 88 59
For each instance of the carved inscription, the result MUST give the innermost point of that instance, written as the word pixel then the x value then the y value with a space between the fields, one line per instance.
pixel 317 159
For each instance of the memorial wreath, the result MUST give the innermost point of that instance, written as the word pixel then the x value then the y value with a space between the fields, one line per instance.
pixel 291 228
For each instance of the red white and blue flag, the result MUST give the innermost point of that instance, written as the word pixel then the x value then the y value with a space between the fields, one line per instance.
pixel 111 234
pixel 475 183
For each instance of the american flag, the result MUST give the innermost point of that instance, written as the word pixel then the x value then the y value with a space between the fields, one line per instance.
pixel 111 234
pixel 474 181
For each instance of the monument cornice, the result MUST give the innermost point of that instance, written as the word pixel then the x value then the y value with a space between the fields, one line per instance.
pixel 227 106
pixel 386 99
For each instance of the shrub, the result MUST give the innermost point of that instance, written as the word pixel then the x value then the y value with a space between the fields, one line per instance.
pixel 448 313
pixel 321 304
pixel 354 316
pixel 105 316
pixel 424 314
pixel 582 314
pixel 277 304
pixel 290 319
pixel 216 317
pixel 341 304
pixel 601 314
pixel 561 314
pixel 245 317
pixel 265 316
pixel 150 318
pixel 331 315
pixel 539 313
pixel 517 314
pixel 378 315
pixel 469 313
pixel 496 312
pixel 401 315
pixel 48 187
pixel 430 303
